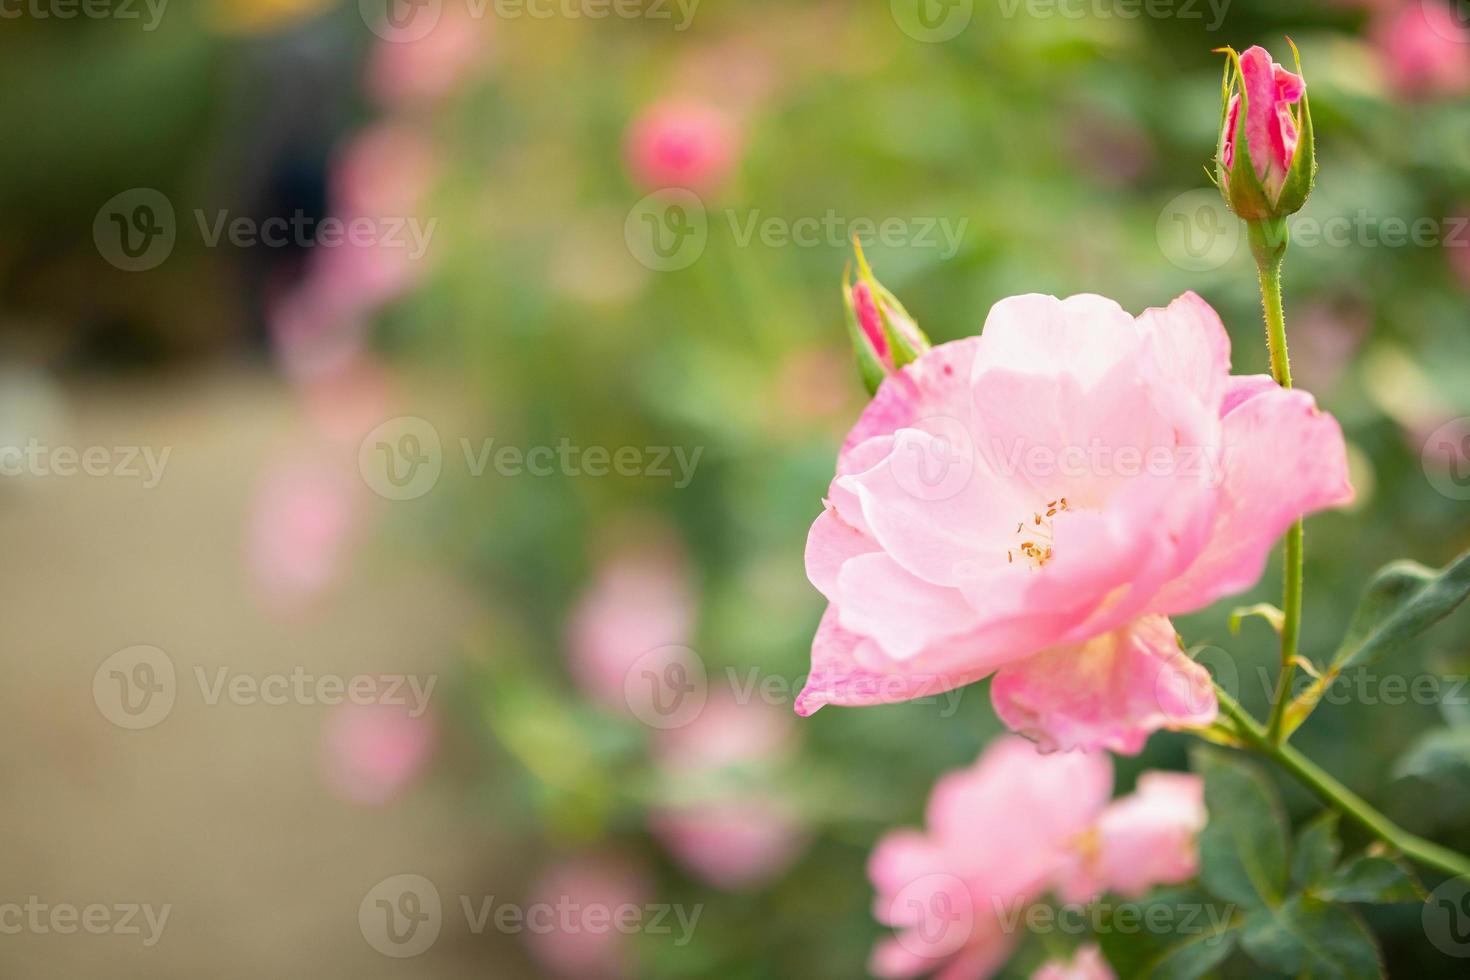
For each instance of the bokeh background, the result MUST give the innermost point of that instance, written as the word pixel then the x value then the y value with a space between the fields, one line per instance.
pixel 530 392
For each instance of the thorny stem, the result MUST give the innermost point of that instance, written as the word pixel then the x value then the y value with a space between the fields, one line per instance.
pixel 1268 243
pixel 1338 796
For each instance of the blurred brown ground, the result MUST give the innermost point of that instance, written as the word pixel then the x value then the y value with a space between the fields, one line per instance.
pixel 219 810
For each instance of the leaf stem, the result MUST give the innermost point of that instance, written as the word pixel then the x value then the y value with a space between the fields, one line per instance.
pixel 1268 239
pixel 1333 793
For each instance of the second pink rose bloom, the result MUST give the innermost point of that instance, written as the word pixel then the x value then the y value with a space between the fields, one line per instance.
pixel 1008 830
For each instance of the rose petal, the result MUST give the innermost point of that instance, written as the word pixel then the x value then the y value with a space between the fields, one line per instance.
pixel 1283 459
pixel 1110 692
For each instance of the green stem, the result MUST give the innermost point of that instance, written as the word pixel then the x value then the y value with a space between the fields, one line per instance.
pixel 1268 244
pixel 1339 797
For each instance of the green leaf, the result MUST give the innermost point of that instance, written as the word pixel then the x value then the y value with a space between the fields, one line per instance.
pixel 1316 852
pixel 1307 937
pixel 1370 878
pixel 1403 600
pixel 1436 754
pixel 1243 846
pixel 1196 937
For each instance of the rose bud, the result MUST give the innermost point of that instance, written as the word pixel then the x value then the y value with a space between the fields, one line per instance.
pixel 884 336
pixel 1266 161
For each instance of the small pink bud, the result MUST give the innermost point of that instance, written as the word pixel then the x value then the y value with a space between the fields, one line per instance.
pixel 884 336
pixel 1273 176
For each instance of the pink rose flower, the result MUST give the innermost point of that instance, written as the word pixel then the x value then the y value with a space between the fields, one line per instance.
pixel 681 144
pixel 1425 50
pixel 740 836
pixel 1086 964
pixel 1271 131
pixel 640 601
pixel 1034 503
pixel 997 835
pixel 372 752
pixel 1002 833
pixel 304 518
pixel 586 896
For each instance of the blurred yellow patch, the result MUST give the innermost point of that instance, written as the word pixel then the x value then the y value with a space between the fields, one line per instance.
pixel 262 16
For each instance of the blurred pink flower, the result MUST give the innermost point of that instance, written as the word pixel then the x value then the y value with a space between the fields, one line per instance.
pixel 744 835
pixel 372 752
pixel 1323 341
pixel 1144 839
pixel 572 947
pixel 639 601
pixel 302 522
pixel 1270 130
pixel 1425 50
pixel 1086 964
pixel 345 403
pixel 407 71
pixel 386 169
pixel 1034 502
pixel 997 833
pixel 319 326
pixel 681 144
pixel 1003 832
